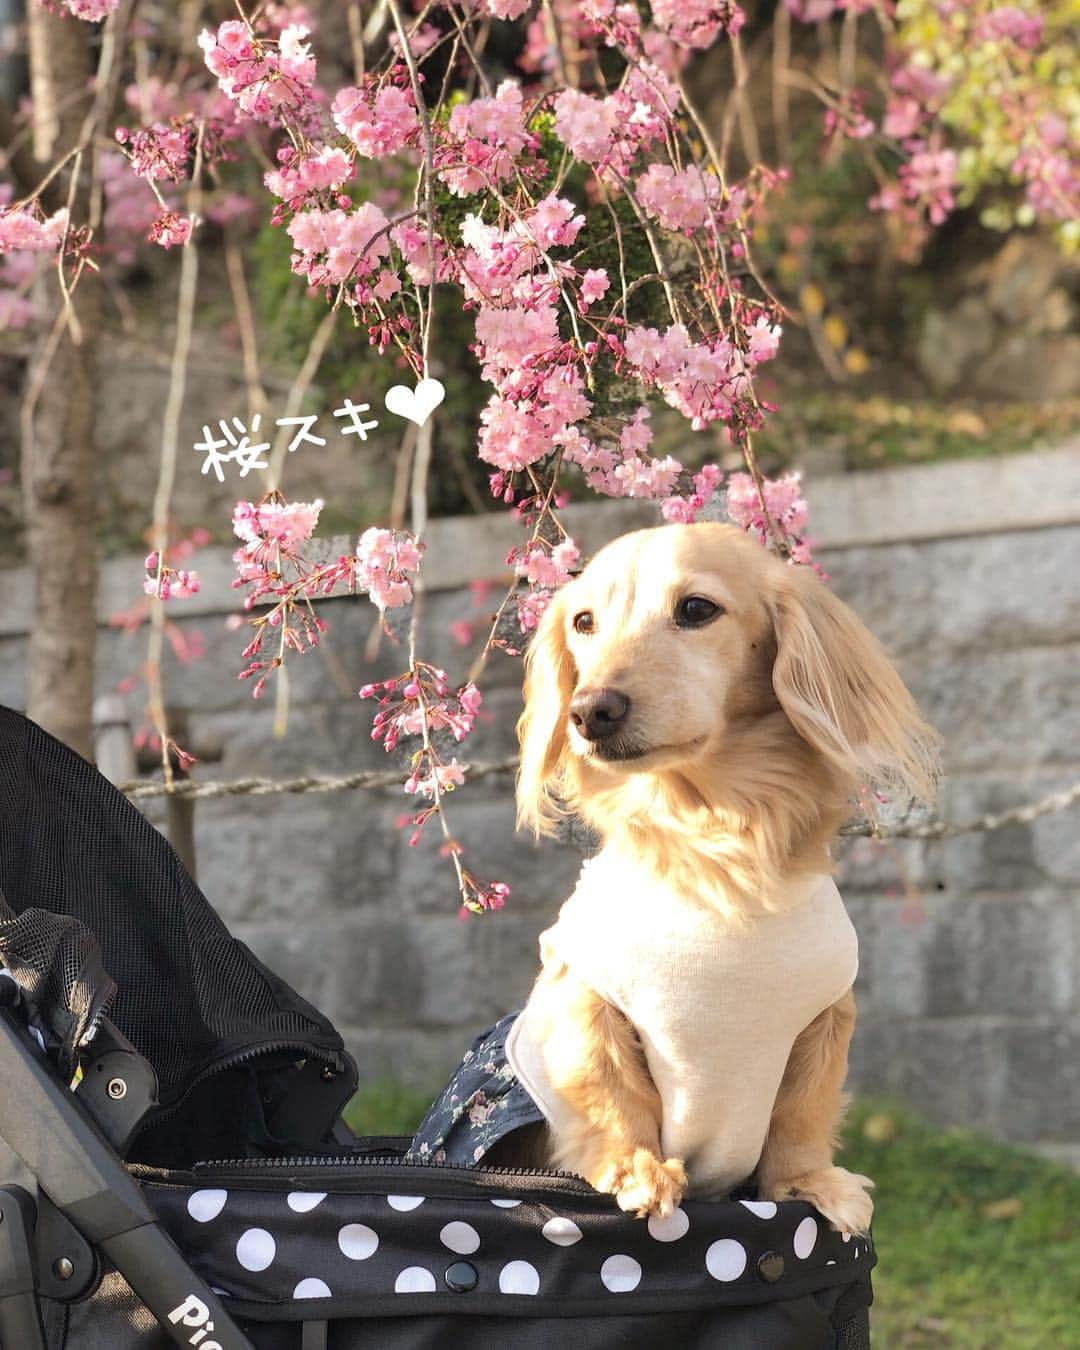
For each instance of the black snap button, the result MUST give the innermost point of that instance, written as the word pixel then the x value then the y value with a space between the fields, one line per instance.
pixel 770 1267
pixel 461 1277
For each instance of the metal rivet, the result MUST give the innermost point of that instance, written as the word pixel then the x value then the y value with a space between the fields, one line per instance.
pixel 461 1277
pixel 63 1268
pixel 117 1089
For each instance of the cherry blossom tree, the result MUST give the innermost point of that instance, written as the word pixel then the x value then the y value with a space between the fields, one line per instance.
pixel 595 226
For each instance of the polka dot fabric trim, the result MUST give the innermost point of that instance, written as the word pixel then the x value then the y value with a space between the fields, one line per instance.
pixel 280 1248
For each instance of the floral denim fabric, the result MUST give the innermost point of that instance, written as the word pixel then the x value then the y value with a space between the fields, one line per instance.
pixel 482 1102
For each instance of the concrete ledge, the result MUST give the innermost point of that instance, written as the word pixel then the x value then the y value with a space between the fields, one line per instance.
pixel 939 501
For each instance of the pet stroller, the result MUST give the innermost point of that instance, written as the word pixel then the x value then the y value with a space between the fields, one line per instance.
pixel 188 1179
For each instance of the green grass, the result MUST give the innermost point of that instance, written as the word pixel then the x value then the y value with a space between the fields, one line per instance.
pixel 978 1243
pixel 386 1107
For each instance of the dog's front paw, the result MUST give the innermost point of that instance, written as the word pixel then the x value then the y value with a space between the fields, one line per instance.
pixel 840 1195
pixel 643 1185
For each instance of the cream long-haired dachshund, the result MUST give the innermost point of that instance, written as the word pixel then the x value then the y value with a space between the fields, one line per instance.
pixel 712 713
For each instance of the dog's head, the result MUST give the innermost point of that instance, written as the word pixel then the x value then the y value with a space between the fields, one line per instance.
pixel 687 651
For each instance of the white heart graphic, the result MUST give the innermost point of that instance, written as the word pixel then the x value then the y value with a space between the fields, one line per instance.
pixel 416 404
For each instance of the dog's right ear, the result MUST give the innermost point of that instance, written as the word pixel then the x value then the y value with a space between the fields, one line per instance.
pixel 542 726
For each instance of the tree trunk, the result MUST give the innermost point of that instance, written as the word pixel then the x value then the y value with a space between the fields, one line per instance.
pixel 58 459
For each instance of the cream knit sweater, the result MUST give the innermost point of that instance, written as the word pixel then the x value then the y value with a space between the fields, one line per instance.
pixel 718 1004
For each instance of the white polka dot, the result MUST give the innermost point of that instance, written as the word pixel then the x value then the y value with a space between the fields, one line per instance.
pixel 415 1280
pixel 404 1202
pixel 563 1232
pixel 358 1241
pixel 312 1288
pixel 506 1204
pixel 461 1238
pixel 764 1209
pixel 846 1237
pixel 620 1274
pixel 726 1260
pixel 830 1263
pixel 302 1202
pixel 671 1228
pixel 805 1237
pixel 206 1205
pixel 256 1249
pixel 519 1277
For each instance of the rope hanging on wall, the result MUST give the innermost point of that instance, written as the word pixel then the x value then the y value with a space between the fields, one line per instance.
pixel 139 790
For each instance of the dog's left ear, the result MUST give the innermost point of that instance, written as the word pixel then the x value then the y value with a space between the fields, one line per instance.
pixel 841 693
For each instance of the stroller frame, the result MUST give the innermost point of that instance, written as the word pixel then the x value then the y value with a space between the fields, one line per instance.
pixel 94 1202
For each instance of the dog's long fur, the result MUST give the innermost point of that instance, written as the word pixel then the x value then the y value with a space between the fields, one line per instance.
pixel 794 711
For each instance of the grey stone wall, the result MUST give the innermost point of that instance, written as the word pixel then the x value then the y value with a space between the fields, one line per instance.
pixel 969 987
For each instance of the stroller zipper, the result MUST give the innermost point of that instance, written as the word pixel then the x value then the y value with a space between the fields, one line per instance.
pixel 356 1170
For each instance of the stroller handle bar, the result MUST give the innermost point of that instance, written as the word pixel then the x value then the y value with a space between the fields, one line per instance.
pixel 86 1181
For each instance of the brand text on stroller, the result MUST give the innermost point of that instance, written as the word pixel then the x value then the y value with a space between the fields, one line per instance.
pixel 193 1312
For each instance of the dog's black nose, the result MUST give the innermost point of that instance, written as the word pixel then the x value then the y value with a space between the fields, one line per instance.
pixel 597 713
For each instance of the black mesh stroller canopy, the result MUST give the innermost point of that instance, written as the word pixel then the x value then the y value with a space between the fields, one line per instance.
pixel 90 887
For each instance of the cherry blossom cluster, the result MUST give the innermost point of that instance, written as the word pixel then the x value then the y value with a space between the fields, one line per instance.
pixel 264 77
pixel 419 705
pixel 273 570
pixel 778 506
pixel 168 583
pixel 158 151
pixel 984 102
pixel 90 11
pixel 27 230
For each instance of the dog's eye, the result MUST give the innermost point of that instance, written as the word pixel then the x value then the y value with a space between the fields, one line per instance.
pixel 584 622
pixel 695 610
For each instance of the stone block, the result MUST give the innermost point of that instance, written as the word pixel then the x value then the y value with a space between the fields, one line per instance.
pixel 1037 1088
pixel 1005 590
pixel 941 1067
pixel 321 739
pixel 297 857
pixel 891 590
pixel 988 706
pixel 879 866
pixel 892 957
pixel 1014 858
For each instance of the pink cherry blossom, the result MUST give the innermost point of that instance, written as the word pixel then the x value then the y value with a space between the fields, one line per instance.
pixel 486 136
pixel 783 498
pixel 385 561
pixel 158 152
pixel 171 230
pixel 379 126
pixel 696 23
pixel 544 565
pixel 91 11
pixel 262 79
pixel 594 285
pixel 679 200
